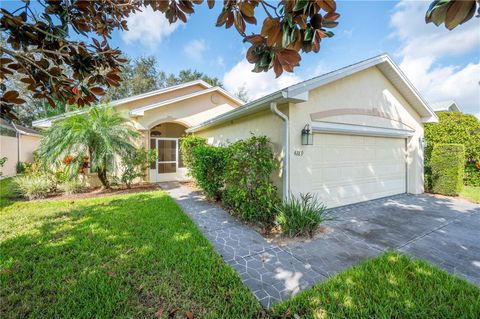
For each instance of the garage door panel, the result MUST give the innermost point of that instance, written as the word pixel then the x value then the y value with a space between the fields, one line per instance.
pixel 348 169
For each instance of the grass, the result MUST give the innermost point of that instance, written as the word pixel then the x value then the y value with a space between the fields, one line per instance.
pixel 390 286
pixel 471 193
pixel 139 256
pixel 125 256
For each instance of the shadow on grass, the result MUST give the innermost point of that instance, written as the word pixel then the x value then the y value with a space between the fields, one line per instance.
pixel 391 286
pixel 122 256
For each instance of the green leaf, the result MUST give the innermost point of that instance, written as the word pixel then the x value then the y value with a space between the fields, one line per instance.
pixel 300 5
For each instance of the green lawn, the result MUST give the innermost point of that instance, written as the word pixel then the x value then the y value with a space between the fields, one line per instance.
pixel 390 286
pixel 134 255
pixel 125 256
pixel 472 193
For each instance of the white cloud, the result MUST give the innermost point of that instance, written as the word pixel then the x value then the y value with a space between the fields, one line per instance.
pixel 256 84
pixel 423 46
pixel 220 62
pixel 195 49
pixel 148 28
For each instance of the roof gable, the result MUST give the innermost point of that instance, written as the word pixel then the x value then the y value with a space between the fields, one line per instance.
pixel 299 92
pixel 207 88
pixel 141 110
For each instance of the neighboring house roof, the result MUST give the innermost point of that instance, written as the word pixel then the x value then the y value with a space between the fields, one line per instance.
pixel 47 122
pixel 141 110
pixel 18 128
pixel 299 92
pixel 446 106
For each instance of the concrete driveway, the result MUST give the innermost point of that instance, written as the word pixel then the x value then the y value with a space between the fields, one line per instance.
pixel 444 231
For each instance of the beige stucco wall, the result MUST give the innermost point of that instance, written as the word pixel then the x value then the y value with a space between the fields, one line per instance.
pixel 187 112
pixel 364 92
pixel 262 123
pixel 9 148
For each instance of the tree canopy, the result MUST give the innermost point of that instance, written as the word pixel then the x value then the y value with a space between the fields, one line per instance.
pixel 56 66
pixel 455 128
pixel 143 75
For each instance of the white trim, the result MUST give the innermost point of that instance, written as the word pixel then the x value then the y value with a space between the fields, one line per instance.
pixel 141 110
pixel 351 129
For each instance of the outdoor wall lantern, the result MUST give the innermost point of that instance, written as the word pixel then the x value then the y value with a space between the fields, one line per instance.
pixel 307 135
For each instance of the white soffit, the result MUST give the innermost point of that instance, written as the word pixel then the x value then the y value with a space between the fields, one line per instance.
pixel 351 129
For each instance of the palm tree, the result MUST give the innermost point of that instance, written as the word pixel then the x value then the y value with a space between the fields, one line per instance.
pixel 100 134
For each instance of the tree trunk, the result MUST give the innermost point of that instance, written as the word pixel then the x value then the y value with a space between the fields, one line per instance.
pixel 102 176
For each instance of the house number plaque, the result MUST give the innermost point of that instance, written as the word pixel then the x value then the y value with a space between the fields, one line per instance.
pixel 298 153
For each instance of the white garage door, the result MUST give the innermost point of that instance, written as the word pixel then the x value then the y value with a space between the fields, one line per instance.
pixel 349 169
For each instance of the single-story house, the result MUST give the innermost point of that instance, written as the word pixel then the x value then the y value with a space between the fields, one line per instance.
pixel 17 144
pixel 348 136
pixel 446 106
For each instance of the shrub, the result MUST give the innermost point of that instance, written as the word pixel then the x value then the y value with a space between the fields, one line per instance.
pixel 187 145
pixel 72 186
pixel 249 193
pixel 135 165
pixel 448 165
pixel 22 167
pixel 472 174
pixel 208 169
pixel 300 216
pixel 31 187
pixel 458 128
pixel 3 160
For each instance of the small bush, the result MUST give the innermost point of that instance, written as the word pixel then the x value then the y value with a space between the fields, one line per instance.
pixel 187 145
pixel 249 192
pixel 300 216
pixel 3 160
pixel 73 186
pixel 22 167
pixel 448 165
pixel 32 187
pixel 135 165
pixel 208 169
pixel 472 174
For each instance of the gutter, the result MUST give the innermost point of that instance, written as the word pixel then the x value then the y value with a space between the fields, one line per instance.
pixel 286 164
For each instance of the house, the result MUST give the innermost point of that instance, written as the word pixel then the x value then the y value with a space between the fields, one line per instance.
pixel 446 106
pixel 162 117
pixel 17 144
pixel 348 136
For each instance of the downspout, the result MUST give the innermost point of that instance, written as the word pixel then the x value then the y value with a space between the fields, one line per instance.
pixel 286 165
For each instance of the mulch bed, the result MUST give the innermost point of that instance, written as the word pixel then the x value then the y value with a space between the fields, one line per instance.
pixel 100 192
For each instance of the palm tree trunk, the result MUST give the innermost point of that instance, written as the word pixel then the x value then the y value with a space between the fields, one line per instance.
pixel 102 176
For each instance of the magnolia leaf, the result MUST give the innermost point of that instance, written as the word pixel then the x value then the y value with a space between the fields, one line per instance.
pixel 457 13
pixel 247 9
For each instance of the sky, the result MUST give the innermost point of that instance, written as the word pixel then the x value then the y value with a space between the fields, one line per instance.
pixel 442 64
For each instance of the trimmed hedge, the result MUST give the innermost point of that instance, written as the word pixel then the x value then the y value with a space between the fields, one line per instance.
pixel 448 166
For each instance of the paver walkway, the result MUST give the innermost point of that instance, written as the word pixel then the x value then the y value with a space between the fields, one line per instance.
pixel 444 231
